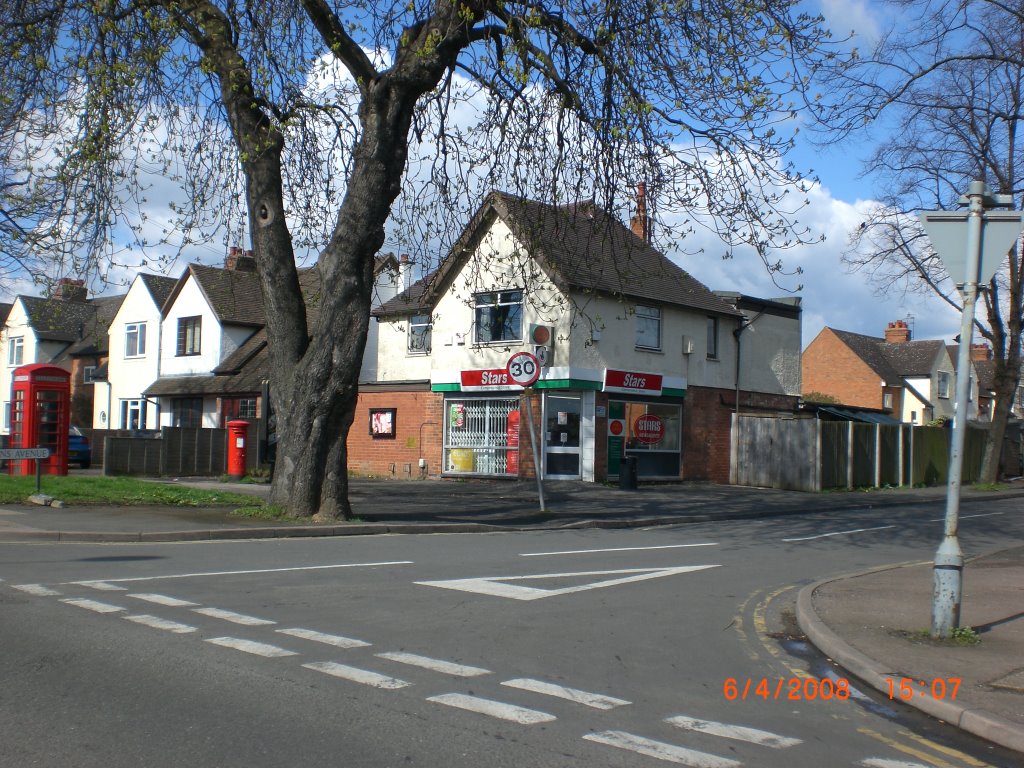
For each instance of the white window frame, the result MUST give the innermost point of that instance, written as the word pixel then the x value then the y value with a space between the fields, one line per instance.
pixel 942 378
pixel 15 351
pixel 88 374
pixel 128 406
pixel 647 318
pixel 420 329
pixel 138 330
pixel 491 301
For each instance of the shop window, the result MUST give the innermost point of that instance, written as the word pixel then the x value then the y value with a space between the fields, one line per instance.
pixel 189 333
pixel 499 317
pixel 648 327
pixel 712 338
pixel 419 335
pixel 135 340
pixel 653 434
pixel 481 436
pixel 383 423
pixel 16 351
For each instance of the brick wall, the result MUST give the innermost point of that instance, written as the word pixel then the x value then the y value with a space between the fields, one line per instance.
pixel 419 417
pixel 831 367
pixel 707 428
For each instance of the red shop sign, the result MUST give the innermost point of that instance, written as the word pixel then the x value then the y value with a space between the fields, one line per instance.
pixel 488 379
pixel 632 382
pixel 649 429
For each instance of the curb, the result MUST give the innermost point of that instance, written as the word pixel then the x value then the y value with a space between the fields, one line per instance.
pixel 979 722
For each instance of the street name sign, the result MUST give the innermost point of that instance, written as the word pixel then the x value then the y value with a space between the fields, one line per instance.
pixel 24 453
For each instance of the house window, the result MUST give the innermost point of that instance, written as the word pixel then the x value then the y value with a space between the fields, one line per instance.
pixel 187 412
pixel 712 338
pixel 648 327
pixel 887 401
pixel 943 384
pixel 499 316
pixel 7 416
pixel 135 340
pixel 189 332
pixel 133 414
pixel 237 408
pixel 419 335
pixel 88 374
pixel 16 350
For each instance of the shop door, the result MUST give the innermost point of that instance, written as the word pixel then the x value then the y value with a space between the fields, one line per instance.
pixel 562 436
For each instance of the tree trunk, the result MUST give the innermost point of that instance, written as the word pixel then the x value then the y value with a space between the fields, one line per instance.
pixel 1007 379
pixel 311 471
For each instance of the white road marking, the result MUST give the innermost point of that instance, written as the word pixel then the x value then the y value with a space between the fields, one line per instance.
pixel 660 750
pixel 173 602
pixel 37 589
pixel 249 646
pixel 260 570
pixel 616 549
pixel 234 618
pixel 737 732
pixel 158 623
pixel 841 533
pixel 498 586
pixel 92 605
pixel 964 517
pixel 594 700
pixel 497 709
pixel 878 762
pixel 104 586
pixel 435 665
pixel 355 675
pixel 319 637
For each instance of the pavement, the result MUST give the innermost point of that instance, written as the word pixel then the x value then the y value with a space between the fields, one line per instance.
pixel 978 688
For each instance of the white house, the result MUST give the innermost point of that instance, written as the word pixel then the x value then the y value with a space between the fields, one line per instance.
pixel 134 358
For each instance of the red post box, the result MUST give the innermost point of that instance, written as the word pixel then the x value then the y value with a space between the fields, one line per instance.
pixel 40 417
pixel 237 433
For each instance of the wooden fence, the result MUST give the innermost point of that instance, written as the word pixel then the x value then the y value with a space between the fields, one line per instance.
pixel 178 452
pixel 814 455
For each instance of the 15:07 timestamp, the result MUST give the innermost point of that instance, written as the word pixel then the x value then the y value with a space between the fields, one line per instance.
pixel 903 688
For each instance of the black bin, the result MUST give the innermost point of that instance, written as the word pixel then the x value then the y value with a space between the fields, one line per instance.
pixel 628 474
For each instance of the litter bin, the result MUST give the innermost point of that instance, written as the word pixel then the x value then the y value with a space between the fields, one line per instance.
pixel 627 474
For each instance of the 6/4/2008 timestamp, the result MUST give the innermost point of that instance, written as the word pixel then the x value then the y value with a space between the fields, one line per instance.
pixel 906 688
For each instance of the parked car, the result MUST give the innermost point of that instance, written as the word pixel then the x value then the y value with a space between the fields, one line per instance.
pixel 79 450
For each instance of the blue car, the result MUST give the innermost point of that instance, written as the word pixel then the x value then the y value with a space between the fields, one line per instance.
pixel 79 450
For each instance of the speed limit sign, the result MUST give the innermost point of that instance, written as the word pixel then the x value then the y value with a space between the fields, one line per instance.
pixel 523 368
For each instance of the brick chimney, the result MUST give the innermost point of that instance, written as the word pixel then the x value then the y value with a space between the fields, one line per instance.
pixel 239 260
pixel 71 290
pixel 897 332
pixel 641 223
pixel 980 352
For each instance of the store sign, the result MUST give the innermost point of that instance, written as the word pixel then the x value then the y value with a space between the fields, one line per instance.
pixel 487 380
pixel 649 429
pixel 632 382
pixel 616 427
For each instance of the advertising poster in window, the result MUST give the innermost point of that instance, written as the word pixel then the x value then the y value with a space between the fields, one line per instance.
pixel 382 423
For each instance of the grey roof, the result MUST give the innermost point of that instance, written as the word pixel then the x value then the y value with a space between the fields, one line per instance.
pixel 159 287
pixel 56 319
pixel 233 295
pixel 95 339
pixel 580 247
pixel 5 310
pixel 893 362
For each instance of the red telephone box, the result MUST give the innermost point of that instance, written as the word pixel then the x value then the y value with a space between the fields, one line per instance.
pixel 40 417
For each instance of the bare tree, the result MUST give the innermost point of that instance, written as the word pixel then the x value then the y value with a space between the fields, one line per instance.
pixel 303 121
pixel 951 90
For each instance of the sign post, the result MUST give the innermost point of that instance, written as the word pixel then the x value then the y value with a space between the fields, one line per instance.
pixel 971 243
pixel 28 453
pixel 524 370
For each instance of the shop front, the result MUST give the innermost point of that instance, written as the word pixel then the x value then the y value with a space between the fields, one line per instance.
pixel 645 421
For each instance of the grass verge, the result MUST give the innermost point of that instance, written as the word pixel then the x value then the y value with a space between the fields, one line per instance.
pixel 120 491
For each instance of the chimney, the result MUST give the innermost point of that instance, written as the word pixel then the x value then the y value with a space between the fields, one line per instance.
pixel 71 290
pixel 980 352
pixel 897 332
pixel 404 272
pixel 641 223
pixel 239 260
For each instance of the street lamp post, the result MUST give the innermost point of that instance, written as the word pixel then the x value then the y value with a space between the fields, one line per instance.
pixel 976 242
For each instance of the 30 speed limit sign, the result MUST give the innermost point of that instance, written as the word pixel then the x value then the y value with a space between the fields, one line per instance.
pixel 523 368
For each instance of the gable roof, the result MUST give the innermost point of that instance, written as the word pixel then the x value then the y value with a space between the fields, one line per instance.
pixel 159 287
pixel 893 362
pixel 5 310
pixel 580 247
pixel 95 339
pixel 233 295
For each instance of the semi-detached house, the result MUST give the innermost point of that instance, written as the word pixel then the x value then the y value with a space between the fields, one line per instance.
pixel 639 359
